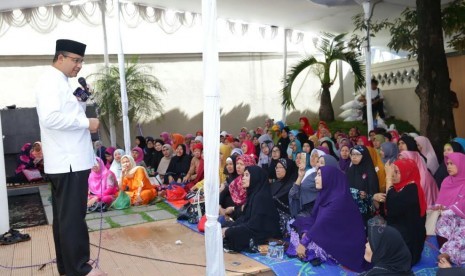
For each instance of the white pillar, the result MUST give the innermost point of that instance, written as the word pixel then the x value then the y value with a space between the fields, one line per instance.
pixel 211 128
pixel 4 215
pixel 122 79
pixel 285 70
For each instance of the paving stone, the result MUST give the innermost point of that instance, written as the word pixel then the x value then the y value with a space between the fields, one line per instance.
pixel 112 213
pixel 160 215
pixel 145 208
pixel 94 224
pixel 130 219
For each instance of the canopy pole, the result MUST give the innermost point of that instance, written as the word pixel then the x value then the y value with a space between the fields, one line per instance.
pixel 4 215
pixel 211 123
pixel 285 71
pixel 367 11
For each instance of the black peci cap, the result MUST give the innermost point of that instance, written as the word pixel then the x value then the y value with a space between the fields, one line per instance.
pixel 71 46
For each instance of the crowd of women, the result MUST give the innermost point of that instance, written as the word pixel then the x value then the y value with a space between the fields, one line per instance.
pixel 323 190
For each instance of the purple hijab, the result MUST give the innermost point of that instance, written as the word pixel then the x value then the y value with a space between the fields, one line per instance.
pixel 344 164
pixel 336 224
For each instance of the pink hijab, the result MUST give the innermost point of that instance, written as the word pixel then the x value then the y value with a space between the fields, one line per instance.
pixel 140 156
pixel 98 181
pixel 428 151
pixel 452 194
pixel 427 181
pixel 238 193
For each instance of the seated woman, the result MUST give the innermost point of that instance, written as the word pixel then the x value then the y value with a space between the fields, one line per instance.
pixel 408 143
pixel 329 144
pixel 280 191
pixel 442 173
pixel 406 205
pixel 138 156
pixel 103 185
pixel 248 148
pixel 344 161
pixel 275 155
pixel 164 162
pixel 266 146
pixel 194 165
pixel 109 152
pixel 115 167
pixel 179 165
pixel 305 126
pixel 237 193
pixel 295 148
pixel 425 147
pixel 363 181
pixel 231 174
pixel 334 232
pixel 388 152
pixel 377 161
pixel 30 158
pixel 387 251
pixel 451 201
pixel 430 188
pixel 135 182
pixel 260 220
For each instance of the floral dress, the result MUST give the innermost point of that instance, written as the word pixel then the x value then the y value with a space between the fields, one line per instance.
pixel 452 227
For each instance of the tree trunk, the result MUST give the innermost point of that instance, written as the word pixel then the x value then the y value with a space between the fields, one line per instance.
pixel 433 85
pixel 326 112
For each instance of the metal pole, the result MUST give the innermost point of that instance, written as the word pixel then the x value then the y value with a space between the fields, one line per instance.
pixel 122 78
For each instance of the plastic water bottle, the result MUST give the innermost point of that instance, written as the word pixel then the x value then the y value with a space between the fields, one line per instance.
pixel 279 252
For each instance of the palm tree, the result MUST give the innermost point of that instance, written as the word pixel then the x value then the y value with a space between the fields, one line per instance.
pixel 143 90
pixel 333 48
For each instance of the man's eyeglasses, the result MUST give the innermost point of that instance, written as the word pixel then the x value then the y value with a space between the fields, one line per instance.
pixel 75 60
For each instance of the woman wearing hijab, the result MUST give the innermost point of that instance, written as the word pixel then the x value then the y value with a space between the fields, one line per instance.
pixel 266 145
pixel 323 130
pixel 260 221
pixel 408 143
pixel 344 161
pixel 461 141
pixel 442 173
pixel 280 191
pixel 428 184
pixel 179 165
pixel 377 141
pixel 377 162
pixel 149 153
pixel 305 126
pixel 388 253
pixel 103 185
pixel 140 142
pixel 275 155
pixel 109 156
pixel 231 174
pixel 135 182
pixel 165 161
pixel 158 153
pixel 195 169
pixel 284 141
pixel 329 144
pixel 165 136
pixel 451 201
pixel 295 148
pixel 425 147
pixel 237 192
pixel 115 167
pixel 388 152
pixel 334 211
pixel 176 140
pixel 28 159
pixel 406 205
pixel 248 148
pixel 363 181
pixel 138 156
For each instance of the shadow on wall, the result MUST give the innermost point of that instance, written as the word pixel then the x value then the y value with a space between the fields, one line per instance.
pixel 177 121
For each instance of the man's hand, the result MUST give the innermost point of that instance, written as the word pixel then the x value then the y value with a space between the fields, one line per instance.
pixel 94 124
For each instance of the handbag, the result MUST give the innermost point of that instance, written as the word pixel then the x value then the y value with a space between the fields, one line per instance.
pixel 432 217
pixel 175 193
pixel 193 211
pixel 32 174
pixel 121 202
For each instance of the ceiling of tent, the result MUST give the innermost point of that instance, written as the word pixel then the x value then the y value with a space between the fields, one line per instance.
pixel 302 15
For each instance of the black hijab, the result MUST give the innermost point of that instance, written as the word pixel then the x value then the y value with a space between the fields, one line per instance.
pixel 149 153
pixel 411 144
pixel 158 155
pixel 142 143
pixel 391 255
pixel 363 176
pixel 273 163
pixel 231 176
pixel 280 188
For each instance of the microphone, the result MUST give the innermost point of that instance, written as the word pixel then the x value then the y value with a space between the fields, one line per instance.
pixel 83 83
